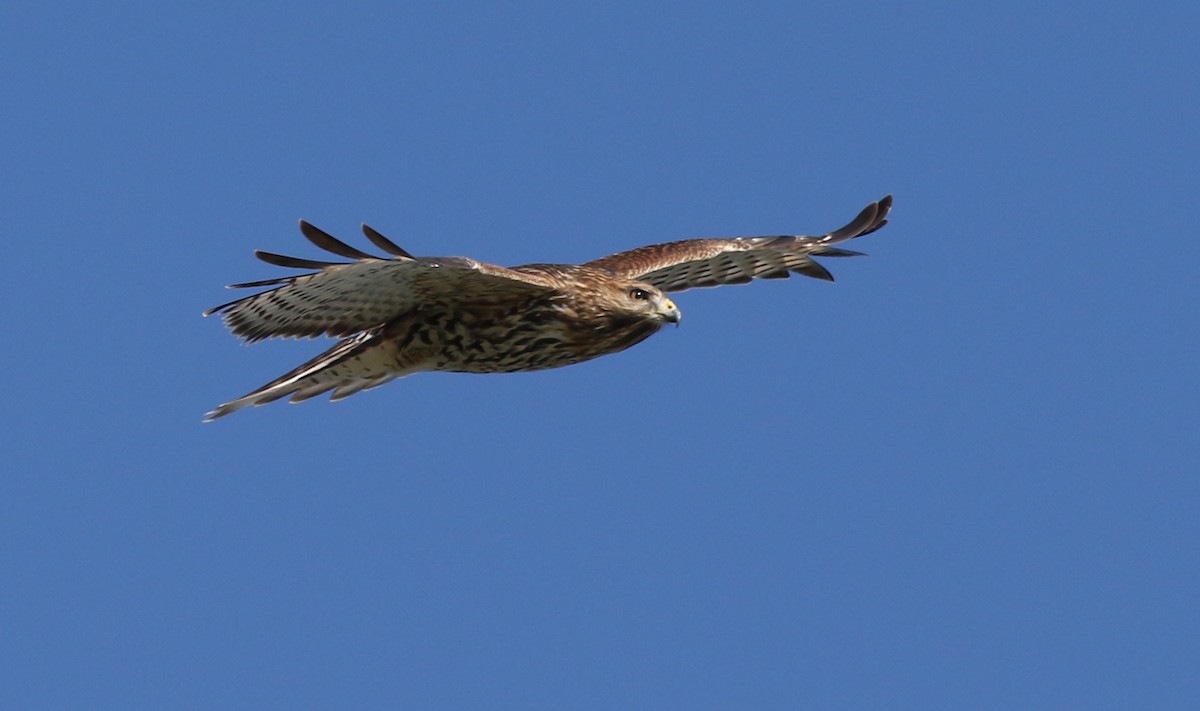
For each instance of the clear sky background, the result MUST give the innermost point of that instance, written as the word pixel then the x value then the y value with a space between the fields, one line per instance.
pixel 963 476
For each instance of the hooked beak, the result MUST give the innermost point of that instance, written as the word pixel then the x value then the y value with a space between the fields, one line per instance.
pixel 671 312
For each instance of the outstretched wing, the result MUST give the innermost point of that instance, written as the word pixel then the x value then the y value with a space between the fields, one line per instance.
pixel 675 266
pixel 361 362
pixel 344 298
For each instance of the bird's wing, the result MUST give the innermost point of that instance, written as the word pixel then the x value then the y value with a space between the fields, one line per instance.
pixel 675 266
pixel 345 298
pixel 358 363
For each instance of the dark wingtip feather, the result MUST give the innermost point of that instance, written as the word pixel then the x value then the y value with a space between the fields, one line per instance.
pixel 871 218
pixel 876 227
pixel 282 260
pixel 384 243
pixel 836 252
pixel 812 269
pixel 884 206
pixel 278 281
pixel 329 243
pixel 219 309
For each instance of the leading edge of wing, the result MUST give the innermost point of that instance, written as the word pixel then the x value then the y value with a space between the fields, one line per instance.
pixel 684 264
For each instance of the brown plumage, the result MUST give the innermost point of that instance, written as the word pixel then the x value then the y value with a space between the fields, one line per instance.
pixel 403 314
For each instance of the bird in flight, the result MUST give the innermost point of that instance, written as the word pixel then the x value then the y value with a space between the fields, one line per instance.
pixel 401 314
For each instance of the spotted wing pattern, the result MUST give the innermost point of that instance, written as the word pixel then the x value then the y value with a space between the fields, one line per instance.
pixel 687 264
pixel 345 298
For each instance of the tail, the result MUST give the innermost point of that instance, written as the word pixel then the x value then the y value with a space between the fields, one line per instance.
pixel 365 361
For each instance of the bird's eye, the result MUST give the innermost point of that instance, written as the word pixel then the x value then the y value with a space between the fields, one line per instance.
pixel 639 294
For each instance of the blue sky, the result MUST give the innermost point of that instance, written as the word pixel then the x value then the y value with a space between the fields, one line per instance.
pixel 963 476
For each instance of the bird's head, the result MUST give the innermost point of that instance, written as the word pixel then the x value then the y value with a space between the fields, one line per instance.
pixel 643 299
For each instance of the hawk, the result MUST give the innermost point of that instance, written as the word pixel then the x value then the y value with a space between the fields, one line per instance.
pixel 401 314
